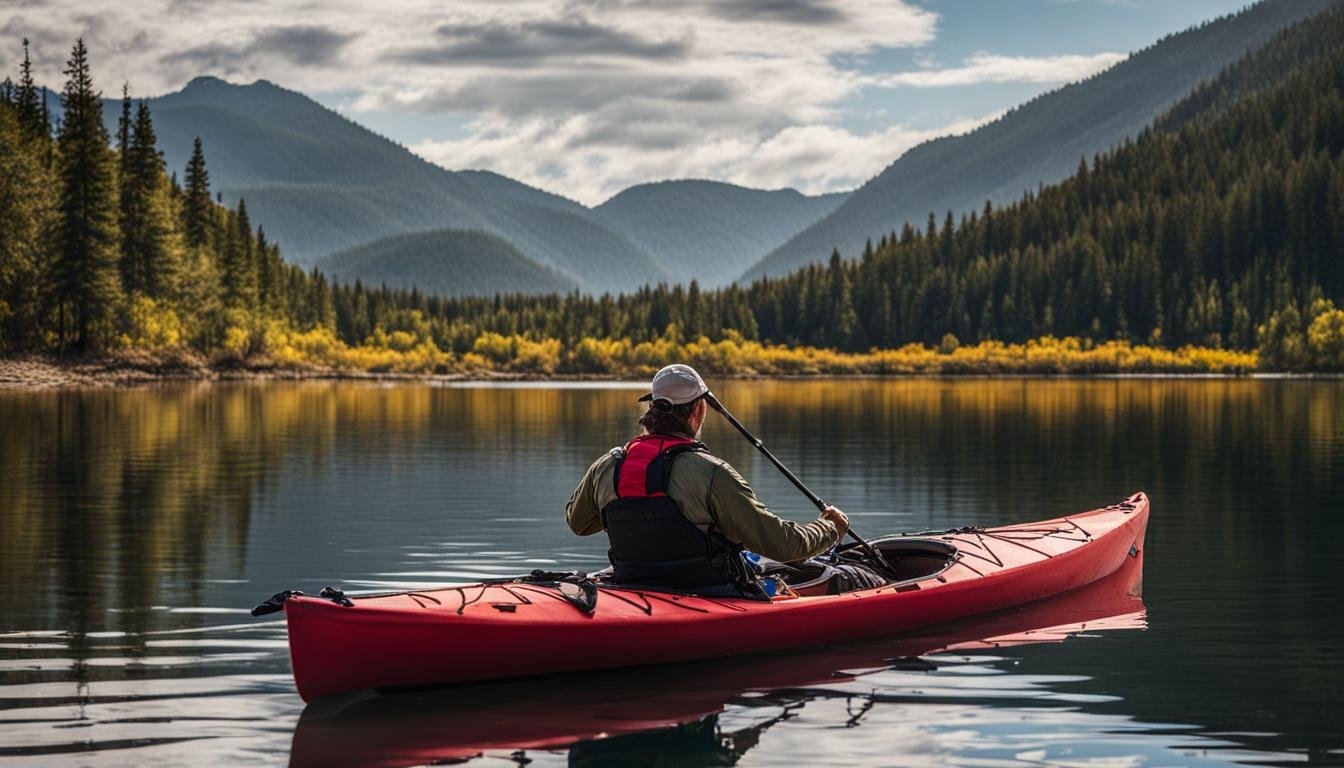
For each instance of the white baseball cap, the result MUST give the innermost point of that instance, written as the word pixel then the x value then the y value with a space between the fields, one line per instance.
pixel 678 384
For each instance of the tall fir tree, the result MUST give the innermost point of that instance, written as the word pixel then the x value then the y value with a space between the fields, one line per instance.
pixel 238 270
pixel 25 207
pixel 146 258
pixel 269 268
pixel 85 270
pixel 31 113
pixel 197 208
pixel 124 128
pixel 46 127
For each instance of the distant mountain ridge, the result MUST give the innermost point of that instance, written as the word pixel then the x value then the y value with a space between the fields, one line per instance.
pixel 1040 142
pixel 322 185
pixel 709 227
pixel 1220 227
pixel 447 262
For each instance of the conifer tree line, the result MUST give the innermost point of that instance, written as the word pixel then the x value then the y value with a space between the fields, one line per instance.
pixel 1219 225
pixel 100 247
pixel 1223 226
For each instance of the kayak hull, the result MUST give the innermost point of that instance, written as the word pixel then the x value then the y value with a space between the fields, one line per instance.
pixel 497 631
pixel 433 727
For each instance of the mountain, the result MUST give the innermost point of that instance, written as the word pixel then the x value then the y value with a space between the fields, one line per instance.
pixel 1222 225
pixel 1224 218
pixel 1039 142
pixel 320 183
pixel 447 262
pixel 708 228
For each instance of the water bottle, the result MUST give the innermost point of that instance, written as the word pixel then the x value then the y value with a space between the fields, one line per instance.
pixel 770 584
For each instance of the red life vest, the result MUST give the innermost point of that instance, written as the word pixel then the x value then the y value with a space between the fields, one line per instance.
pixel 652 543
pixel 646 465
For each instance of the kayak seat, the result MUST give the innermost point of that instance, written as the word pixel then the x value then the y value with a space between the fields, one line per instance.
pixel 816 577
pixel 913 559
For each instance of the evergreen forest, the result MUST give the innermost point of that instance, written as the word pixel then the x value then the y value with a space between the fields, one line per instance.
pixel 1213 241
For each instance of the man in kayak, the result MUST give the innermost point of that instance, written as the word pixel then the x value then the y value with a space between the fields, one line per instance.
pixel 678 517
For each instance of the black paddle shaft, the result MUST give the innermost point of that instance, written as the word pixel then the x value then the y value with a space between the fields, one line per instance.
pixel 812 497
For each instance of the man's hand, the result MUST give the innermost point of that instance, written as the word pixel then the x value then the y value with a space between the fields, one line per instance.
pixel 836 516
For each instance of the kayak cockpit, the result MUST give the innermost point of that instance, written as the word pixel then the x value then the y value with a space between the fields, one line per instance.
pixel 913 559
pixel 850 568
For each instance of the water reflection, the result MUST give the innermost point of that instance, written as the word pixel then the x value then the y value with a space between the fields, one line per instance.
pixel 136 527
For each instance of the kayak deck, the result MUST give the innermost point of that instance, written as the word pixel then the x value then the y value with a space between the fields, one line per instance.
pixel 507 630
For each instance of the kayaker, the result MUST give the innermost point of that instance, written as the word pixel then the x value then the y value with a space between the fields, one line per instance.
pixel 679 517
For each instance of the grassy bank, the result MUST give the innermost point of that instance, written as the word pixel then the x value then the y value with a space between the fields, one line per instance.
pixel 318 353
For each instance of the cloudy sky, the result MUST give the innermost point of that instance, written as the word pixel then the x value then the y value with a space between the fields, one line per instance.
pixel 586 97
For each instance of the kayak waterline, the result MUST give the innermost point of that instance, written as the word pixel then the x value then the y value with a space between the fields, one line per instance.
pixel 429 727
pixel 495 631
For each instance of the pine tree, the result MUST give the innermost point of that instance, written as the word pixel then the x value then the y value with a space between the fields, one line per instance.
pixel 237 265
pixel 266 294
pixel 146 227
pixel 197 208
pixel 46 128
pixel 87 234
pixel 31 113
pixel 25 205
pixel 124 128
pixel 845 329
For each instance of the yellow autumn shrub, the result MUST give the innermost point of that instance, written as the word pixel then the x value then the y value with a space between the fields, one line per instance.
pixel 152 325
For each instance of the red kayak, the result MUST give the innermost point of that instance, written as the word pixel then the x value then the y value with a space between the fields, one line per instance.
pixel 509 630
pixel 592 712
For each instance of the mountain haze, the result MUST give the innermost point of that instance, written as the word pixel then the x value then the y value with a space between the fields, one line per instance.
pixel 1039 142
pixel 1221 226
pixel 320 183
pixel 323 185
pixel 708 228
pixel 446 262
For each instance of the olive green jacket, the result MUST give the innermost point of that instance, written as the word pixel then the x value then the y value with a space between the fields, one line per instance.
pixel 711 494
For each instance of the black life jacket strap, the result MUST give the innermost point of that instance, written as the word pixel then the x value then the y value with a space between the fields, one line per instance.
pixel 619 453
pixel 659 472
pixel 714 560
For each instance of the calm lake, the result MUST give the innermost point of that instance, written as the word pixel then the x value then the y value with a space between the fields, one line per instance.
pixel 137 527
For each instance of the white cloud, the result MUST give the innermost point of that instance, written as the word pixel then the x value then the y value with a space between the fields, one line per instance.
pixel 581 97
pixel 988 68
pixel 810 158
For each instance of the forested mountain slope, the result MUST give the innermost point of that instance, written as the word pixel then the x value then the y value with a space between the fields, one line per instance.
pixel 1197 232
pixel 1222 226
pixel 1040 141
pixel 99 249
pixel 710 230
pixel 447 262
pixel 321 183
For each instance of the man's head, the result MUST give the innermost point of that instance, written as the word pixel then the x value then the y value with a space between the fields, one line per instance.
pixel 676 402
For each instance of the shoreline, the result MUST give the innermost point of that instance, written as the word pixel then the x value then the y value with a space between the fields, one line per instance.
pixel 37 373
